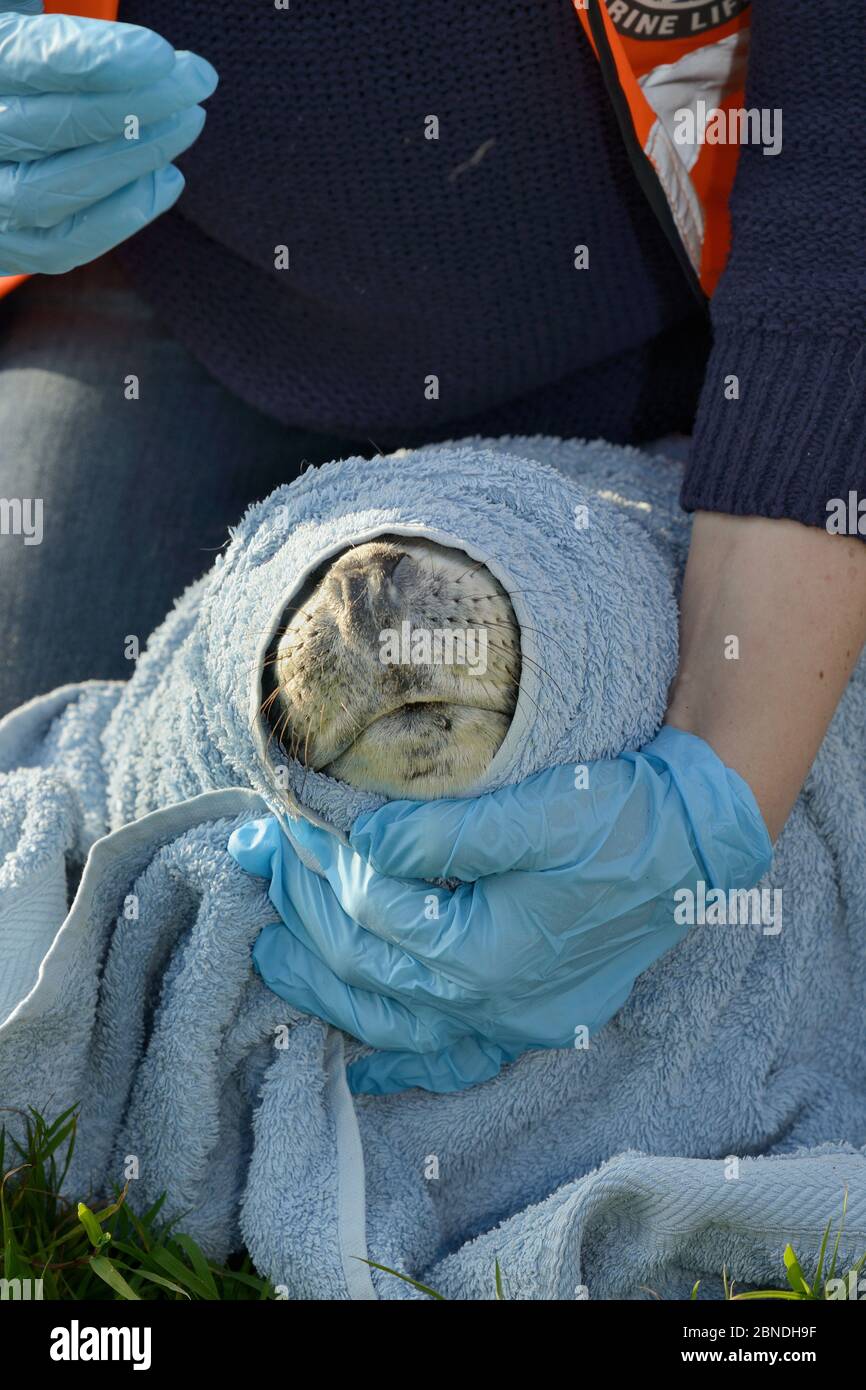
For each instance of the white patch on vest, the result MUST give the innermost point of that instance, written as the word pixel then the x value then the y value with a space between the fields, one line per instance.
pixel 706 74
pixel 679 190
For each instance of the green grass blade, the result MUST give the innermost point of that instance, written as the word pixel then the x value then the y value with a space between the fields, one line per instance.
pixel 195 1255
pixel 55 1125
pixel 431 1293
pixel 832 1270
pixel 796 1278
pixel 150 1278
pixel 106 1271
pixel 139 1228
pixel 14 1265
pixel 185 1277
pixel 113 1208
pixel 767 1293
pixel 816 1282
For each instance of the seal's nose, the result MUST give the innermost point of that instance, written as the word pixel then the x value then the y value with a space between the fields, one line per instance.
pixel 365 582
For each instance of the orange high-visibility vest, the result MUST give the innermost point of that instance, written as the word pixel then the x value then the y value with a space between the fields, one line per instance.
pixel 668 65
pixel 661 60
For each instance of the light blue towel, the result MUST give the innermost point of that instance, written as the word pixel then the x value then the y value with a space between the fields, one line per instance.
pixel 594 593
pixel 602 1169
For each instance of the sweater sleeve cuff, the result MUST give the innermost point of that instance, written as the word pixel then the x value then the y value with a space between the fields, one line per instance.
pixel 781 426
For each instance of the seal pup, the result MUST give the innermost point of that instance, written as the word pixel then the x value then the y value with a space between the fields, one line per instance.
pixel 397 669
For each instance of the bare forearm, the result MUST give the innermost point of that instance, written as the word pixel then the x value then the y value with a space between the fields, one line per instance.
pixel 773 619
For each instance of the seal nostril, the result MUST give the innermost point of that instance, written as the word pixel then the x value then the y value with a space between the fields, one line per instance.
pixel 388 564
pixel 362 585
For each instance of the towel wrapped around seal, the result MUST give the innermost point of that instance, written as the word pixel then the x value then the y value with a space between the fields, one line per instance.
pixel 610 1167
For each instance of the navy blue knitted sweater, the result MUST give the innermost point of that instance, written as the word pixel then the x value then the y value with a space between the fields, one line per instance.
pixel 411 257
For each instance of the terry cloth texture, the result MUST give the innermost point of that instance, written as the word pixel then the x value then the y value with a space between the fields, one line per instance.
pixel 455 256
pixel 608 1167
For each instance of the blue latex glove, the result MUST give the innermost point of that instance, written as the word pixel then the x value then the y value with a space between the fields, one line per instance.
pixel 72 185
pixel 568 896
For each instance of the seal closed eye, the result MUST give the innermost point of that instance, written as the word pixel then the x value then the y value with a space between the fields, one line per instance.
pixel 397 669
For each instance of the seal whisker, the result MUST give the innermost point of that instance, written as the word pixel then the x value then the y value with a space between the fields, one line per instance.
pixel 541 631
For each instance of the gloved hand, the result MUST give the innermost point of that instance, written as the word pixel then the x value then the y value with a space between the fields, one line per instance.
pixel 72 185
pixel 567 896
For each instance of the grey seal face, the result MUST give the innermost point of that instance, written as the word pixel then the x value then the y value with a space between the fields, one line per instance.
pixel 397 669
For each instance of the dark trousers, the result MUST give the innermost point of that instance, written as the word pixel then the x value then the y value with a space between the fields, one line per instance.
pixel 136 494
